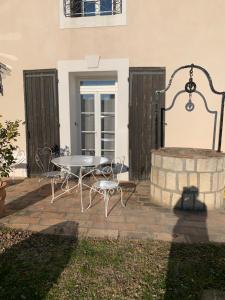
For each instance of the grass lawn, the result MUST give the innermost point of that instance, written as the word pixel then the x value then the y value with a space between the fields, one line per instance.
pixel 37 266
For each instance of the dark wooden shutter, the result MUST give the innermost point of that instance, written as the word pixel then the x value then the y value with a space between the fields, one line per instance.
pixel 42 114
pixel 144 122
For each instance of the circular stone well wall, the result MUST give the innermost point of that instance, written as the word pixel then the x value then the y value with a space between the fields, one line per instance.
pixel 187 178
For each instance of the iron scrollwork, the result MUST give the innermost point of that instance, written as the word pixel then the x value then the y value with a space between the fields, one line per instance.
pixel 191 88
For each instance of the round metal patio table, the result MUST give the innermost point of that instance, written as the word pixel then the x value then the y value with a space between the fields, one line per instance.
pixel 82 162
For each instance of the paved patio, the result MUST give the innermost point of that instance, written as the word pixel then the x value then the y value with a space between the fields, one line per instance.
pixel 28 208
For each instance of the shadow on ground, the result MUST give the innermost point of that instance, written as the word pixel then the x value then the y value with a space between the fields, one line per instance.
pixel 26 199
pixel 13 182
pixel 30 267
pixel 196 268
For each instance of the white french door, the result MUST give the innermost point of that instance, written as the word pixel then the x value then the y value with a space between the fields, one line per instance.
pixel 98 120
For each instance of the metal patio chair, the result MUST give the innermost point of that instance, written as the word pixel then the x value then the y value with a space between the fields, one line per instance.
pixel 110 170
pixel 19 157
pixel 110 184
pixel 43 159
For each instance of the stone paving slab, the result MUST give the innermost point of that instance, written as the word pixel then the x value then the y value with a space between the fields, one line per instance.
pixel 29 208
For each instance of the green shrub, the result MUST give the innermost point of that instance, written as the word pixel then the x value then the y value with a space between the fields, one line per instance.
pixel 8 136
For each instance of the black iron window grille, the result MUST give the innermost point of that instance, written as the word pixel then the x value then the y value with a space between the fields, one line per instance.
pixel 87 8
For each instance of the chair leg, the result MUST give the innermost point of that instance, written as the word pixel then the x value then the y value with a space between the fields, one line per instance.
pixel 121 196
pixel 90 199
pixel 39 185
pixel 53 189
pixel 106 200
pixel 67 183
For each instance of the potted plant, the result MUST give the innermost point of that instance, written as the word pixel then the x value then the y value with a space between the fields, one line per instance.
pixel 8 136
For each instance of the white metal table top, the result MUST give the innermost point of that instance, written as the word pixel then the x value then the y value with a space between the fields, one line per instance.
pixel 80 161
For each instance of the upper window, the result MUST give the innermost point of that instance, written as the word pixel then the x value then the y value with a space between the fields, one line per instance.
pixel 92 13
pixel 88 8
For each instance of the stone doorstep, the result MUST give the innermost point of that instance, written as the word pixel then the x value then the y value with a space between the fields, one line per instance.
pixel 84 232
pixel 152 228
pixel 135 235
pixel 114 226
pixel 138 234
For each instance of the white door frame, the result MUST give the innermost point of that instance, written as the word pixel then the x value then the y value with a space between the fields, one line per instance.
pixel 97 91
pixel 121 68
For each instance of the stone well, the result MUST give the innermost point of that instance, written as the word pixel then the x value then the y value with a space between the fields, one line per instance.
pixel 188 178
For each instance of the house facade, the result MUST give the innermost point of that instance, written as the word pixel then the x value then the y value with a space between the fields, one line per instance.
pixel 84 74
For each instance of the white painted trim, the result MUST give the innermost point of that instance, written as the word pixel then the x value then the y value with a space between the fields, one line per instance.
pixel 97 91
pixel 95 21
pixel 78 68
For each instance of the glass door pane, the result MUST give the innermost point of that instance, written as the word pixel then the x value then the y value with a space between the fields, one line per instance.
pixel 88 124
pixel 107 125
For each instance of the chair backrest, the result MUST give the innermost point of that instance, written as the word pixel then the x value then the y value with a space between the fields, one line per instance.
pixel 113 169
pixel 19 157
pixel 43 159
pixel 118 167
pixel 65 151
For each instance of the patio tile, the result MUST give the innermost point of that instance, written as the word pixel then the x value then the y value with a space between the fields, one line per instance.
pixel 77 216
pixel 23 220
pixel 53 215
pixel 5 220
pixel 27 209
pixel 64 228
pixel 19 226
pixel 37 227
pixel 50 222
pixel 85 223
pixel 27 213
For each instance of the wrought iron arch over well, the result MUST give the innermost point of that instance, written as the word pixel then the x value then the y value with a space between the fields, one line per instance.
pixel 190 88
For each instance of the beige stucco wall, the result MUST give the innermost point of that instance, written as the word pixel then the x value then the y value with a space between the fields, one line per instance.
pixel 158 33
